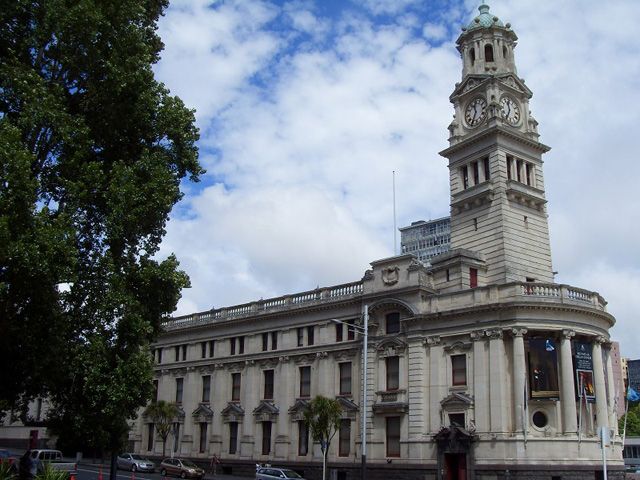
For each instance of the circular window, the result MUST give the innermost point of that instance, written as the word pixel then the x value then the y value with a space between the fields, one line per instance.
pixel 540 419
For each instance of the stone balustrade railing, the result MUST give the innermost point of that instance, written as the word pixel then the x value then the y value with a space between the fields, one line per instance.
pixel 516 291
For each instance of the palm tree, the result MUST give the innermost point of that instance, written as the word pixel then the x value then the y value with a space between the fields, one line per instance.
pixel 162 414
pixel 322 416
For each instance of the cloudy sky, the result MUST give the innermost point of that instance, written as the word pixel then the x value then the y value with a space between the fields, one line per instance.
pixel 306 108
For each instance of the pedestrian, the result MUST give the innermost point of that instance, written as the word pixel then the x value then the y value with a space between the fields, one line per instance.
pixel 27 467
pixel 214 464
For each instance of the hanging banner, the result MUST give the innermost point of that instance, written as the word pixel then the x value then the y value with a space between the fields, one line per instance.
pixel 583 366
pixel 633 374
pixel 543 368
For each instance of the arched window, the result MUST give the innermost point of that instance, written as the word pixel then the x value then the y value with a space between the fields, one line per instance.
pixel 472 56
pixel 488 53
pixel 504 52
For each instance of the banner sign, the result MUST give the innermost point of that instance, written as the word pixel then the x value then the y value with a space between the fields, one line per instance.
pixel 543 368
pixel 583 365
pixel 633 374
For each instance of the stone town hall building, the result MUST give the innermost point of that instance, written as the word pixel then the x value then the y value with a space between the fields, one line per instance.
pixel 479 366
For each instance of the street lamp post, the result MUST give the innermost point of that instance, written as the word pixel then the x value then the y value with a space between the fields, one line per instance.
pixel 364 330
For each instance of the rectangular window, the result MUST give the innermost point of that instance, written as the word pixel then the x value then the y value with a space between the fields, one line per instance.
pixel 464 173
pixel 265 342
pixel 344 447
pixel 393 436
pixel 459 369
pixel 393 322
pixel 206 388
pixel 473 278
pixel 393 373
pixel 240 345
pixel 476 173
pixel 184 352
pixel 159 350
pixel 212 344
pixel 203 353
pixel 300 336
pixel 345 378
pixel 519 170
pixel 232 342
pixel 179 388
pixel 339 330
pixel 155 391
pixel 456 420
pixel 528 171
pixel 487 171
pixel 274 340
pixel 266 438
pixel 235 387
pixel 303 438
pixel 509 167
pixel 177 349
pixel 268 384
pixel 305 381
pixel 233 438
pixel 151 435
pixel 203 437
pixel 351 332
pixel 310 336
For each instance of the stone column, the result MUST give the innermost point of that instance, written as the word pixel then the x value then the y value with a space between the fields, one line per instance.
pixel 519 378
pixel 602 417
pixel 613 413
pixel 435 385
pixel 497 382
pixel 567 385
pixel 480 382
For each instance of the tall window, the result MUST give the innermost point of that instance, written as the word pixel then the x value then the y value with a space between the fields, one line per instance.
pixel 235 387
pixel 179 389
pixel 345 378
pixel 393 373
pixel 237 345
pixel 351 332
pixel 233 437
pixel 339 330
pixel 232 342
pixel 305 381
pixel 184 352
pixel 203 347
pixel 310 336
pixel 476 173
pixel 265 342
pixel 488 53
pixel 303 438
pixel 487 170
pixel 151 434
pixel 268 384
pixel 393 322
pixel 459 369
pixel 203 437
pixel 240 345
pixel 212 344
pixel 274 340
pixel 473 277
pixel 344 447
pixel 300 336
pixel 177 351
pixel 206 388
pixel 155 390
pixel 509 167
pixel 266 438
pixel 393 436
pixel 159 350
pixel 464 173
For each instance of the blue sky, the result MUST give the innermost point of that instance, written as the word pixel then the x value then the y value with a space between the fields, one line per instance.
pixel 306 108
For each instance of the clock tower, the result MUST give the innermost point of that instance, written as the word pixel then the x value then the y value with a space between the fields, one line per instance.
pixel 498 205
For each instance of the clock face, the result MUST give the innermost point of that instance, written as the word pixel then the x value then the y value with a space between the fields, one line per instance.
pixel 510 110
pixel 476 111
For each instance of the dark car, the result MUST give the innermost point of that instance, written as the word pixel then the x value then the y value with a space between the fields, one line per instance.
pixel 271 473
pixel 7 458
pixel 135 462
pixel 181 468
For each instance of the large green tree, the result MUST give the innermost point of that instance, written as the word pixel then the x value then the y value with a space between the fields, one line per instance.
pixel 92 153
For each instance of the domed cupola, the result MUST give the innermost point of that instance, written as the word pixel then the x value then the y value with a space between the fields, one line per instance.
pixel 486 45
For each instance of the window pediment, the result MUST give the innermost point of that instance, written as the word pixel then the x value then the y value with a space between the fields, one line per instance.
pixel 392 347
pixel 266 412
pixel 297 410
pixel 456 401
pixel 233 413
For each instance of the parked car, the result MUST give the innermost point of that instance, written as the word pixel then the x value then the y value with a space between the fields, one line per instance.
pixel 54 459
pixel 135 462
pixel 271 473
pixel 181 468
pixel 8 459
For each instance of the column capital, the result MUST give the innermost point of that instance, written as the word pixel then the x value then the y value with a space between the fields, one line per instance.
pixel 600 339
pixel 568 334
pixel 432 341
pixel 494 333
pixel 518 331
pixel 477 335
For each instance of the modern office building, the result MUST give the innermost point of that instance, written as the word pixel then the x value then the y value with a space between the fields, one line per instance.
pixel 478 366
pixel 425 240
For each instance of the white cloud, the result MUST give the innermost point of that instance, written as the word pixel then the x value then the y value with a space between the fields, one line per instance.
pixel 305 116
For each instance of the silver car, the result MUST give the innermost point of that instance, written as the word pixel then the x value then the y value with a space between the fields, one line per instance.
pixel 135 463
pixel 272 473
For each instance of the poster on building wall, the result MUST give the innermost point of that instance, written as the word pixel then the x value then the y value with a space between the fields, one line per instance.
pixel 583 366
pixel 543 368
pixel 633 374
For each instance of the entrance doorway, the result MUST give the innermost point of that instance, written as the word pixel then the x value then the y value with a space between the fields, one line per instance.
pixel 456 466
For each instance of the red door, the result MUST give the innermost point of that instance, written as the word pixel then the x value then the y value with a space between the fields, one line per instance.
pixel 456 466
